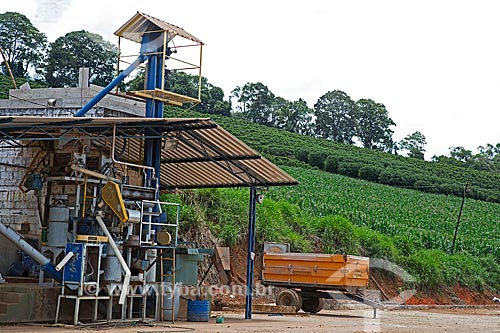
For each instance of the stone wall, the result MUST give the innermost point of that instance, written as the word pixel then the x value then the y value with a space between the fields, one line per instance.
pixel 18 210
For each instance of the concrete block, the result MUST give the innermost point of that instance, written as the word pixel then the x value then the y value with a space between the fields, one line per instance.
pixel 10 297
pixel 4 307
pixel 8 205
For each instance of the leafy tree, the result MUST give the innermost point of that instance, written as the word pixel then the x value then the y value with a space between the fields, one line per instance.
pixel 415 145
pixel 488 158
pixel 135 82
pixel 255 103
pixel 80 49
pixel 373 129
pixel 23 44
pixel 460 154
pixel 492 154
pixel 293 116
pixel 336 117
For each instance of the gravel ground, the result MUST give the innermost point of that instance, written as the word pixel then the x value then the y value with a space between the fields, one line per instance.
pixel 434 320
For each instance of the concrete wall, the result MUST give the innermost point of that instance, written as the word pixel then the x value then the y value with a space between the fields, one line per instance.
pixel 70 100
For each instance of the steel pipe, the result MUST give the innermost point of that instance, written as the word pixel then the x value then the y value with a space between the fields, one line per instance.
pixel 140 59
pixel 116 250
pixel 64 261
pixel 94 174
pixel 139 166
pixel 19 241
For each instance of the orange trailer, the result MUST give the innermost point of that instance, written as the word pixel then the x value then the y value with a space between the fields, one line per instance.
pixel 311 277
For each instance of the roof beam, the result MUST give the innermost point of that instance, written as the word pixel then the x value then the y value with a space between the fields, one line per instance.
pixel 211 159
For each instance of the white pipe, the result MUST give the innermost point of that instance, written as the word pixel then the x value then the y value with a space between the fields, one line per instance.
pixel 126 280
pixel 64 261
pixel 17 239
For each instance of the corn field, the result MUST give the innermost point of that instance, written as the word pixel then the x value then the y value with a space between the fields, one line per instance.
pixel 427 219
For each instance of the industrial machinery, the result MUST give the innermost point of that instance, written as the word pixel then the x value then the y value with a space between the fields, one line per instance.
pixel 107 238
pixel 108 234
pixel 311 277
pixel 103 233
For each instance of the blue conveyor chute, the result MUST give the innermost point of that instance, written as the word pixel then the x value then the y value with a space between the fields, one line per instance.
pixel 140 59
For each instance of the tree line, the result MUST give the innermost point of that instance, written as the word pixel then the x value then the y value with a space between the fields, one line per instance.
pixel 335 115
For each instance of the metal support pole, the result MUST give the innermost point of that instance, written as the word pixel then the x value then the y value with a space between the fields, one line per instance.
pixel 251 252
pixel 459 216
pixel 150 113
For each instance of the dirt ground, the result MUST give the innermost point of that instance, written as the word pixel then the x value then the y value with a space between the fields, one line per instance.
pixel 436 320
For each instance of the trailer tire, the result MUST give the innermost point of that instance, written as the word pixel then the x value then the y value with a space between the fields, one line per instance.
pixel 289 297
pixel 312 305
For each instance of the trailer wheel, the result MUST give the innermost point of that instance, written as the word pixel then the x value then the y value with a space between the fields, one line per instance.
pixel 289 297
pixel 312 305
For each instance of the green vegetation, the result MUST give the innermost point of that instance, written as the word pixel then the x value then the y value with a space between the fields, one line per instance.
pixel 285 148
pixel 335 214
pixel 426 220
pixel 338 214
pixel 6 84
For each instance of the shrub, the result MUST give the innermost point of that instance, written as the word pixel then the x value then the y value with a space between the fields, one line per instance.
pixel 425 186
pixel 317 159
pixel 390 176
pixel 282 160
pixel 348 169
pixel 374 244
pixel 331 164
pixel 452 189
pixel 434 268
pixel 428 266
pixel 407 244
pixel 229 233
pixel 385 176
pixel 336 234
pixel 278 151
pixel 369 173
pixel 302 155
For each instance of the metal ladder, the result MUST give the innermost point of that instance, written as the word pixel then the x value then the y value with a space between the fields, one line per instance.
pixel 149 210
pixel 164 253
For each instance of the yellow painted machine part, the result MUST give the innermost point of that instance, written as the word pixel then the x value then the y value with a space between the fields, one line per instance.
pixel 164 237
pixel 112 196
pixel 92 238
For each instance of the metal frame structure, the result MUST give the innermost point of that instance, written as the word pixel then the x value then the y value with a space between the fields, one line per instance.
pixel 201 155
pixel 142 27
pixel 205 154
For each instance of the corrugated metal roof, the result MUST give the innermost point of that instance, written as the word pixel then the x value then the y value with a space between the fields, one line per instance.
pixel 134 28
pixel 206 155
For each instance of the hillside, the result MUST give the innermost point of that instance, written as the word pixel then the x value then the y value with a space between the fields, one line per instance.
pixel 435 177
pixel 333 213
pixel 286 148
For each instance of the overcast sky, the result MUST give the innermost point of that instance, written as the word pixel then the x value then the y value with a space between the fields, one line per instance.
pixel 434 64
